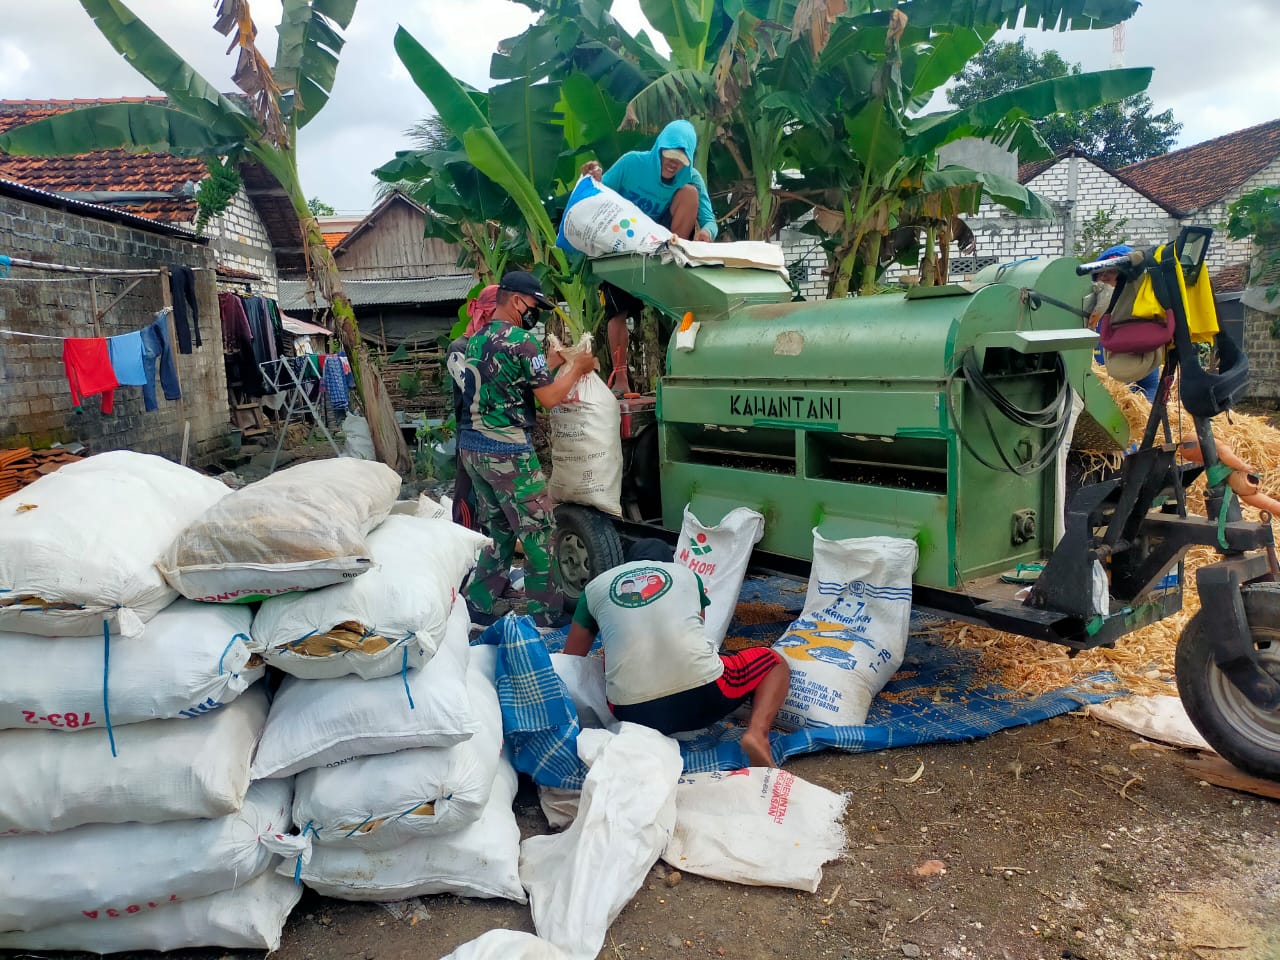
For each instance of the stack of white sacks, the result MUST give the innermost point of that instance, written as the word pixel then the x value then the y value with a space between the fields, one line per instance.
pixel 386 718
pixel 128 720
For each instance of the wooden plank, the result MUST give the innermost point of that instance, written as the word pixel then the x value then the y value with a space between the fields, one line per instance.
pixel 1214 769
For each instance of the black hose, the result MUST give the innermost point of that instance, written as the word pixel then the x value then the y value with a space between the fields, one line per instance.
pixel 1055 417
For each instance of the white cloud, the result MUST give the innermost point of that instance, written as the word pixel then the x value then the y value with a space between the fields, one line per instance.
pixel 1215 69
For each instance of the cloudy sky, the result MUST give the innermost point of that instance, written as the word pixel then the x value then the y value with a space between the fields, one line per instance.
pixel 1217 74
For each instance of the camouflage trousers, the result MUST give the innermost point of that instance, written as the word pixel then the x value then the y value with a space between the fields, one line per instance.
pixel 512 502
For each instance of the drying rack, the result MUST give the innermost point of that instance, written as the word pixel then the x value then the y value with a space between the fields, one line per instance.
pixel 284 375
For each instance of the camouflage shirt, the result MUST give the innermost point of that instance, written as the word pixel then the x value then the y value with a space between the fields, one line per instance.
pixel 503 366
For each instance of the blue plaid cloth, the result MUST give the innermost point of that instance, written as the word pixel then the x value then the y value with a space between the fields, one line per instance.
pixel 335 383
pixel 937 696
pixel 539 721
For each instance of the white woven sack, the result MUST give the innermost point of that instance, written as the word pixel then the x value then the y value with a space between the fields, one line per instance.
pixel 107 870
pixel 381 802
pixel 318 723
pixel 852 634
pixel 480 860
pixel 391 618
pixel 298 529
pixel 190 659
pixel 86 539
pixel 164 770
pixel 507 945
pixel 251 917
pixel 586 441
pixel 783 829
pixel 719 555
pixel 579 880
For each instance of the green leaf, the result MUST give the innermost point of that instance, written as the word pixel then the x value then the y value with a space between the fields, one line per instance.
pixel 673 96
pixel 945 57
pixel 682 22
pixel 597 114
pixel 307 53
pixel 1038 14
pixel 874 137
pixel 524 117
pixel 160 64
pixel 492 159
pixel 1008 193
pixel 451 100
pixel 137 127
pixel 1058 95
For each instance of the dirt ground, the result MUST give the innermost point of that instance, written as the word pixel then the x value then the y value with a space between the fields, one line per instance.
pixel 1047 853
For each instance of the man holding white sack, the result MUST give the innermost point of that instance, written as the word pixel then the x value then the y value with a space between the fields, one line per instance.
pixel 663 183
pixel 660 669
pixel 503 372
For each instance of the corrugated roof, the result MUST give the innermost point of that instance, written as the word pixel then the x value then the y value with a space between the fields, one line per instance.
pixel 365 293
pixel 1196 176
pixel 113 213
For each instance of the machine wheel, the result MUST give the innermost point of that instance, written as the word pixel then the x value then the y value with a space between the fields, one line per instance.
pixel 1243 733
pixel 585 545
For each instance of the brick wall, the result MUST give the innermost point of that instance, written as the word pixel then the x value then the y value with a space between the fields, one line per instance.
pixel 239 238
pixel 1263 351
pixel 35 401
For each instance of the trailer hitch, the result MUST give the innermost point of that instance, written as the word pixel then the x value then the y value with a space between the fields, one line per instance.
pixel 1234 652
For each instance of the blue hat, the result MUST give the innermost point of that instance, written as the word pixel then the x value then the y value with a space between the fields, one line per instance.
pixel 1119 250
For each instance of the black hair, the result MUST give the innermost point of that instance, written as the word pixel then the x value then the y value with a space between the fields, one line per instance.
pixel 504 296
pixel 651 549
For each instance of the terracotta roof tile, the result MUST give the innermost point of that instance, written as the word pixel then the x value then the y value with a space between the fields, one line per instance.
pixel 1193 177
pixel 1029 171
pixel 104 171
pixel 331 240
pixel 1232 278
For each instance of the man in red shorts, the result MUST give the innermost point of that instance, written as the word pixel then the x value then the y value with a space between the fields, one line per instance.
pixel 660 669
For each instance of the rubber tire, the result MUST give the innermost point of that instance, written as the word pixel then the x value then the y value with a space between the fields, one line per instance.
pixel 581 530
pixel 1244 734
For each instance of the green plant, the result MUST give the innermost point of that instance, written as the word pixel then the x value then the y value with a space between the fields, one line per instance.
pixel 411 384
pixel 431 463
pixel 1256 216
pixel 216 191
pixel 1100 231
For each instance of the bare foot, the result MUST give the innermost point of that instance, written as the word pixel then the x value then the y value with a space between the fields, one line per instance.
pixel 756 747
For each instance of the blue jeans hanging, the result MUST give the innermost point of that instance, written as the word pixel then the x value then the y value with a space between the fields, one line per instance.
pixel 156 346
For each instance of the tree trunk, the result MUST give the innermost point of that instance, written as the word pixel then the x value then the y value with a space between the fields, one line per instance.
pixel 388 441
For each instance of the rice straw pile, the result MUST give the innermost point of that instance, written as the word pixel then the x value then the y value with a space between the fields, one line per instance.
pixel 1143 660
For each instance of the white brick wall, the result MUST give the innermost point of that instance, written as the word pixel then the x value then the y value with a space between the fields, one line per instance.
pixel 240 224
pixel 1006 237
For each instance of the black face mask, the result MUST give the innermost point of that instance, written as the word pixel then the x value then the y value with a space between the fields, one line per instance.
pixel 529 319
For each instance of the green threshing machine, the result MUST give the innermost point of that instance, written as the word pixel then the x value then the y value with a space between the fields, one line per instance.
pixel 941 416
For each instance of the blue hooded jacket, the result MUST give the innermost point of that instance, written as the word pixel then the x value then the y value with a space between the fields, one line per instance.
pixel 638 175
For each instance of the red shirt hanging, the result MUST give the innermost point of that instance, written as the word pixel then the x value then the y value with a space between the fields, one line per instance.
pixel 89 370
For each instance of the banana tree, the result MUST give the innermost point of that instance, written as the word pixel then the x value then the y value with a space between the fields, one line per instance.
pixel 199 121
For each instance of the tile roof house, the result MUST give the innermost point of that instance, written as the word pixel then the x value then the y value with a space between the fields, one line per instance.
pixel 257 239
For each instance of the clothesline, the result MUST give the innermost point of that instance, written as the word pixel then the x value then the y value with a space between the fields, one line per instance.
pixel 68 268
pixel 44 336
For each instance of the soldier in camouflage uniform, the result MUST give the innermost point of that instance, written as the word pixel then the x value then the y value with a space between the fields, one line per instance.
pixel 503 373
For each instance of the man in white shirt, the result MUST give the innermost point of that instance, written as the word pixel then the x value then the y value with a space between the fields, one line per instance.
pixel 661 670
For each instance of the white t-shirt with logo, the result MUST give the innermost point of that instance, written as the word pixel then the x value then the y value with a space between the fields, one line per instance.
pixel 649 618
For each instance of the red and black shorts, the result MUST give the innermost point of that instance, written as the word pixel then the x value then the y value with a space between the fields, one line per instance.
pixel 704 705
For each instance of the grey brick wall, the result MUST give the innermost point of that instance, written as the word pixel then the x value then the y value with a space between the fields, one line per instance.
pixel 1263 351
pixel 35 400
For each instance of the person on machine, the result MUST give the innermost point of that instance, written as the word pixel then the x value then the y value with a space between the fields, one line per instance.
pixel 504 371
pixel 660 668
pixel 663 183
pixel 1127 368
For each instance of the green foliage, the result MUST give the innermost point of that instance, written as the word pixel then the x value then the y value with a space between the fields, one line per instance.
pixel 1100 231
pixel 411 384
pixel 1116 133
pixel 216 191
pixel 319 208
pixel 1256 216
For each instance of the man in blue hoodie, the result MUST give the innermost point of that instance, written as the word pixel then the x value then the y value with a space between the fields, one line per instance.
pixel 662 182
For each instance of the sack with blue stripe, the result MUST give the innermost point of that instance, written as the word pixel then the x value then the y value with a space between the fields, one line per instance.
pixel 852 632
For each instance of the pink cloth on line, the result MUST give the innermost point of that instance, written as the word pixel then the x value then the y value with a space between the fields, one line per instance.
pixel 480 310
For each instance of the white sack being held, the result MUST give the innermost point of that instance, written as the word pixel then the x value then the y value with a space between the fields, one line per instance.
pixel 298 529
pixel 318 723
pixel 852 634
pixel 586 441
pixel 251 917
pixel 480 860
pixel 164 770
pixel 382 622
pixel 191 658
pixel 121 869
pixel 380 802
pixel 79 546
pixel 719 556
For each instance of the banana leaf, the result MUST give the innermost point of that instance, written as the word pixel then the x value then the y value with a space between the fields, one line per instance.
pixel 136 127
pixel 159 63
pixel 683 23
pixel 307 53
pixel 492 159
pixel 1041 14
pixel 1008 193
pixel 524 117
pixel 673 96
pixel 452 101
